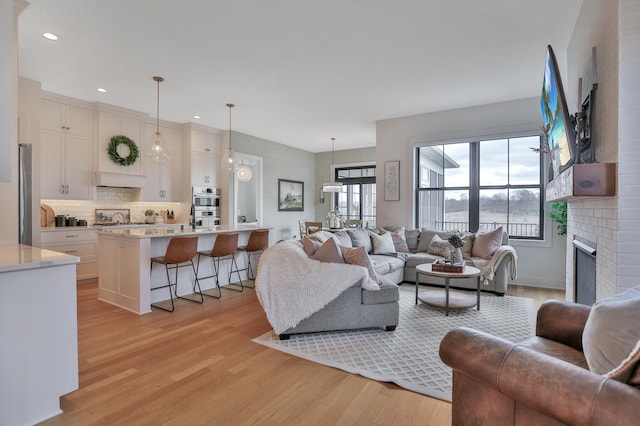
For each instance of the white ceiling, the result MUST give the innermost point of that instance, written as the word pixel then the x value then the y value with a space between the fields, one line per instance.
pixel 299 71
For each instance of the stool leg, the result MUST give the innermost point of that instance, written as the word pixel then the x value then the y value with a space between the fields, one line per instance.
pixel 195 283
pixel 231 271
pixel 250 275
pixel 202 293
pixel 166 267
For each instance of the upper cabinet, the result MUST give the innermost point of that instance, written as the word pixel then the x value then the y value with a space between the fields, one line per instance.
pixel 205 157
pixel 163 180
pixel 69 119
pixel 67 151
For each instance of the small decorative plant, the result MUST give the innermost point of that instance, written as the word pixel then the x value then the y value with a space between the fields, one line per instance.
pixel 558 213
pixel 456 240
pixel 149 212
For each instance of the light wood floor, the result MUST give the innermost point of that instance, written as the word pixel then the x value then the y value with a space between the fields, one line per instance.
pixel 198 366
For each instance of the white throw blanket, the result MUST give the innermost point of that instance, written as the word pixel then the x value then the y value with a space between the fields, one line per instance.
pixel 291 287
pixel 488 266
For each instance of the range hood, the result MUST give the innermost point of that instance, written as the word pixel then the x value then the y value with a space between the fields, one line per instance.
pixel 119 180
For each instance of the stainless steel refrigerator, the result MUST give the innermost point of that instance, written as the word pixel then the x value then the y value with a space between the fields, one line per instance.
pixel 25 207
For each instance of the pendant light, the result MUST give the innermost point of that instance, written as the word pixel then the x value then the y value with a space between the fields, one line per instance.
pixel 229 162
pixel 157 150
pixel 244 173
pixel 332 186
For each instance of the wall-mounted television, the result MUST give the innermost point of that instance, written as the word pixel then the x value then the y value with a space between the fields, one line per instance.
pixel 558 124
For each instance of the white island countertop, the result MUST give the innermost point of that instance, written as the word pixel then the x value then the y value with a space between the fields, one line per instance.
pixel 18 257
pixel 155 232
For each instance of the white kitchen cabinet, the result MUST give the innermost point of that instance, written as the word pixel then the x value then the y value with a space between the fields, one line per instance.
pixel 204 169
pixel 163 180
pixel 66 166
pixel 80 242
pixel 205 158
pixel 66 140
pixel 122 263
pixel 70 119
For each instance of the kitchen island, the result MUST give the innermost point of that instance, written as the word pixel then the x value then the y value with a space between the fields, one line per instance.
pixel 38 331
pixel 125 272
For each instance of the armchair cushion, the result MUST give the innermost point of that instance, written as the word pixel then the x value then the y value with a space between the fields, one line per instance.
pixel 612 331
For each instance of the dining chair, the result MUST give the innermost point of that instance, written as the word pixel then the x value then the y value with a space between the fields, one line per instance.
pixel 312 227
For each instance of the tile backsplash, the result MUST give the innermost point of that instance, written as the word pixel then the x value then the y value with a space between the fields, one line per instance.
pixel 114 198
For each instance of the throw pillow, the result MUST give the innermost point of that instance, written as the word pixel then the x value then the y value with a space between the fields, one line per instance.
pixel 359 256
pixel 310 245
pixel 426 235
pixel 343 238
pixel 611 331
pixel 440 247
pixel 627 367
pixel 486 243
pixel 329 251
pixel 399 241
pixel 382 243
pixel 467 248
pixel 360 237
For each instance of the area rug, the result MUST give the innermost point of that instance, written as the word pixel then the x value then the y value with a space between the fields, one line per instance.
pixel 408 356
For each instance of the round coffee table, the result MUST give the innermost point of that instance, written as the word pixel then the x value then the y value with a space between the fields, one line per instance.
pixel 445 298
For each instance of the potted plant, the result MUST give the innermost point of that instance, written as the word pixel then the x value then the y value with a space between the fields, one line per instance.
pixel 148 216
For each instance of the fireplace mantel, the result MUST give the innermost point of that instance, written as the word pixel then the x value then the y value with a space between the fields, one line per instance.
pixel 583 180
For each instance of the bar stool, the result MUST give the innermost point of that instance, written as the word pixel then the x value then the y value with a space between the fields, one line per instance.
pixel 258 242
pixel 180 252
pixel 224 247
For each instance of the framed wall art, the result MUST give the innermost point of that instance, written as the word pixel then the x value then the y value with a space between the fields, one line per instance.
pixel 392 180
pixel 290 195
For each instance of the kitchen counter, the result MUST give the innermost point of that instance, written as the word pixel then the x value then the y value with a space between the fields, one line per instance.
pixel 155 231
pixel 18 257
pixel 125 273
pixel 38 331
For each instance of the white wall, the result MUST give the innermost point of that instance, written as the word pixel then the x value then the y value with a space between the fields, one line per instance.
pixel 280 162
pixel 541 263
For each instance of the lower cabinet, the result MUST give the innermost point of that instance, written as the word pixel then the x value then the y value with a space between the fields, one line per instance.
pixel 121 265
pixel 79 242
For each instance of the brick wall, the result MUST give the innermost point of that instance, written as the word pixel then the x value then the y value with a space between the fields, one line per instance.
pixel 610 222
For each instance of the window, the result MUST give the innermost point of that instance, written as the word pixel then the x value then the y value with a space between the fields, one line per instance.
pixel 357 200
pixel 481 185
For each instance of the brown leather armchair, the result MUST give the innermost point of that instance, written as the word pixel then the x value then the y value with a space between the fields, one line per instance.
pixel 543 380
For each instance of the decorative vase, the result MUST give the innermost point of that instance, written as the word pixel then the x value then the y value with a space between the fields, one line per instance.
pixel 334 222
pixel 149 219
pixel 456 256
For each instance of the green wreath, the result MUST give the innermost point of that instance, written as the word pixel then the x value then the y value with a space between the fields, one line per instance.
pixel 112 150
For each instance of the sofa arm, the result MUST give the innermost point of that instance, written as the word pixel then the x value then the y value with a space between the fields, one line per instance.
pixel 550 386
pixel 563 322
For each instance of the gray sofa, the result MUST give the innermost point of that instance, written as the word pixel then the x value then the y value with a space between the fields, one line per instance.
pixel 402 268
pixel 355 308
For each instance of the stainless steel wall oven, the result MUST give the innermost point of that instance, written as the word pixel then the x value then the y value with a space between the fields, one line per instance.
pixel 206 203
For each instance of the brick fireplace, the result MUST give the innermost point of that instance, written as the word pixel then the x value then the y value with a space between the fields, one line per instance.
pixel 610 222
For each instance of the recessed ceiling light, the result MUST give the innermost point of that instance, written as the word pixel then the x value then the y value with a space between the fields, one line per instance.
pixel 50 36
pixel 101 90
pixel 196 116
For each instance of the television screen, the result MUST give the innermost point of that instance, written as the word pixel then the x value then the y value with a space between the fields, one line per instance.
pixel 555 116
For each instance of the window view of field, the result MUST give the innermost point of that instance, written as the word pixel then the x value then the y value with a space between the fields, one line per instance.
pixel 506 189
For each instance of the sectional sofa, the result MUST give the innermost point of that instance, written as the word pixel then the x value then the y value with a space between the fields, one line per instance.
pixel 412 247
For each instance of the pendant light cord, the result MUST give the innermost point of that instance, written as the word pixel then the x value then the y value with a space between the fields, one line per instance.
pixel 158 80
pixel 230 106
